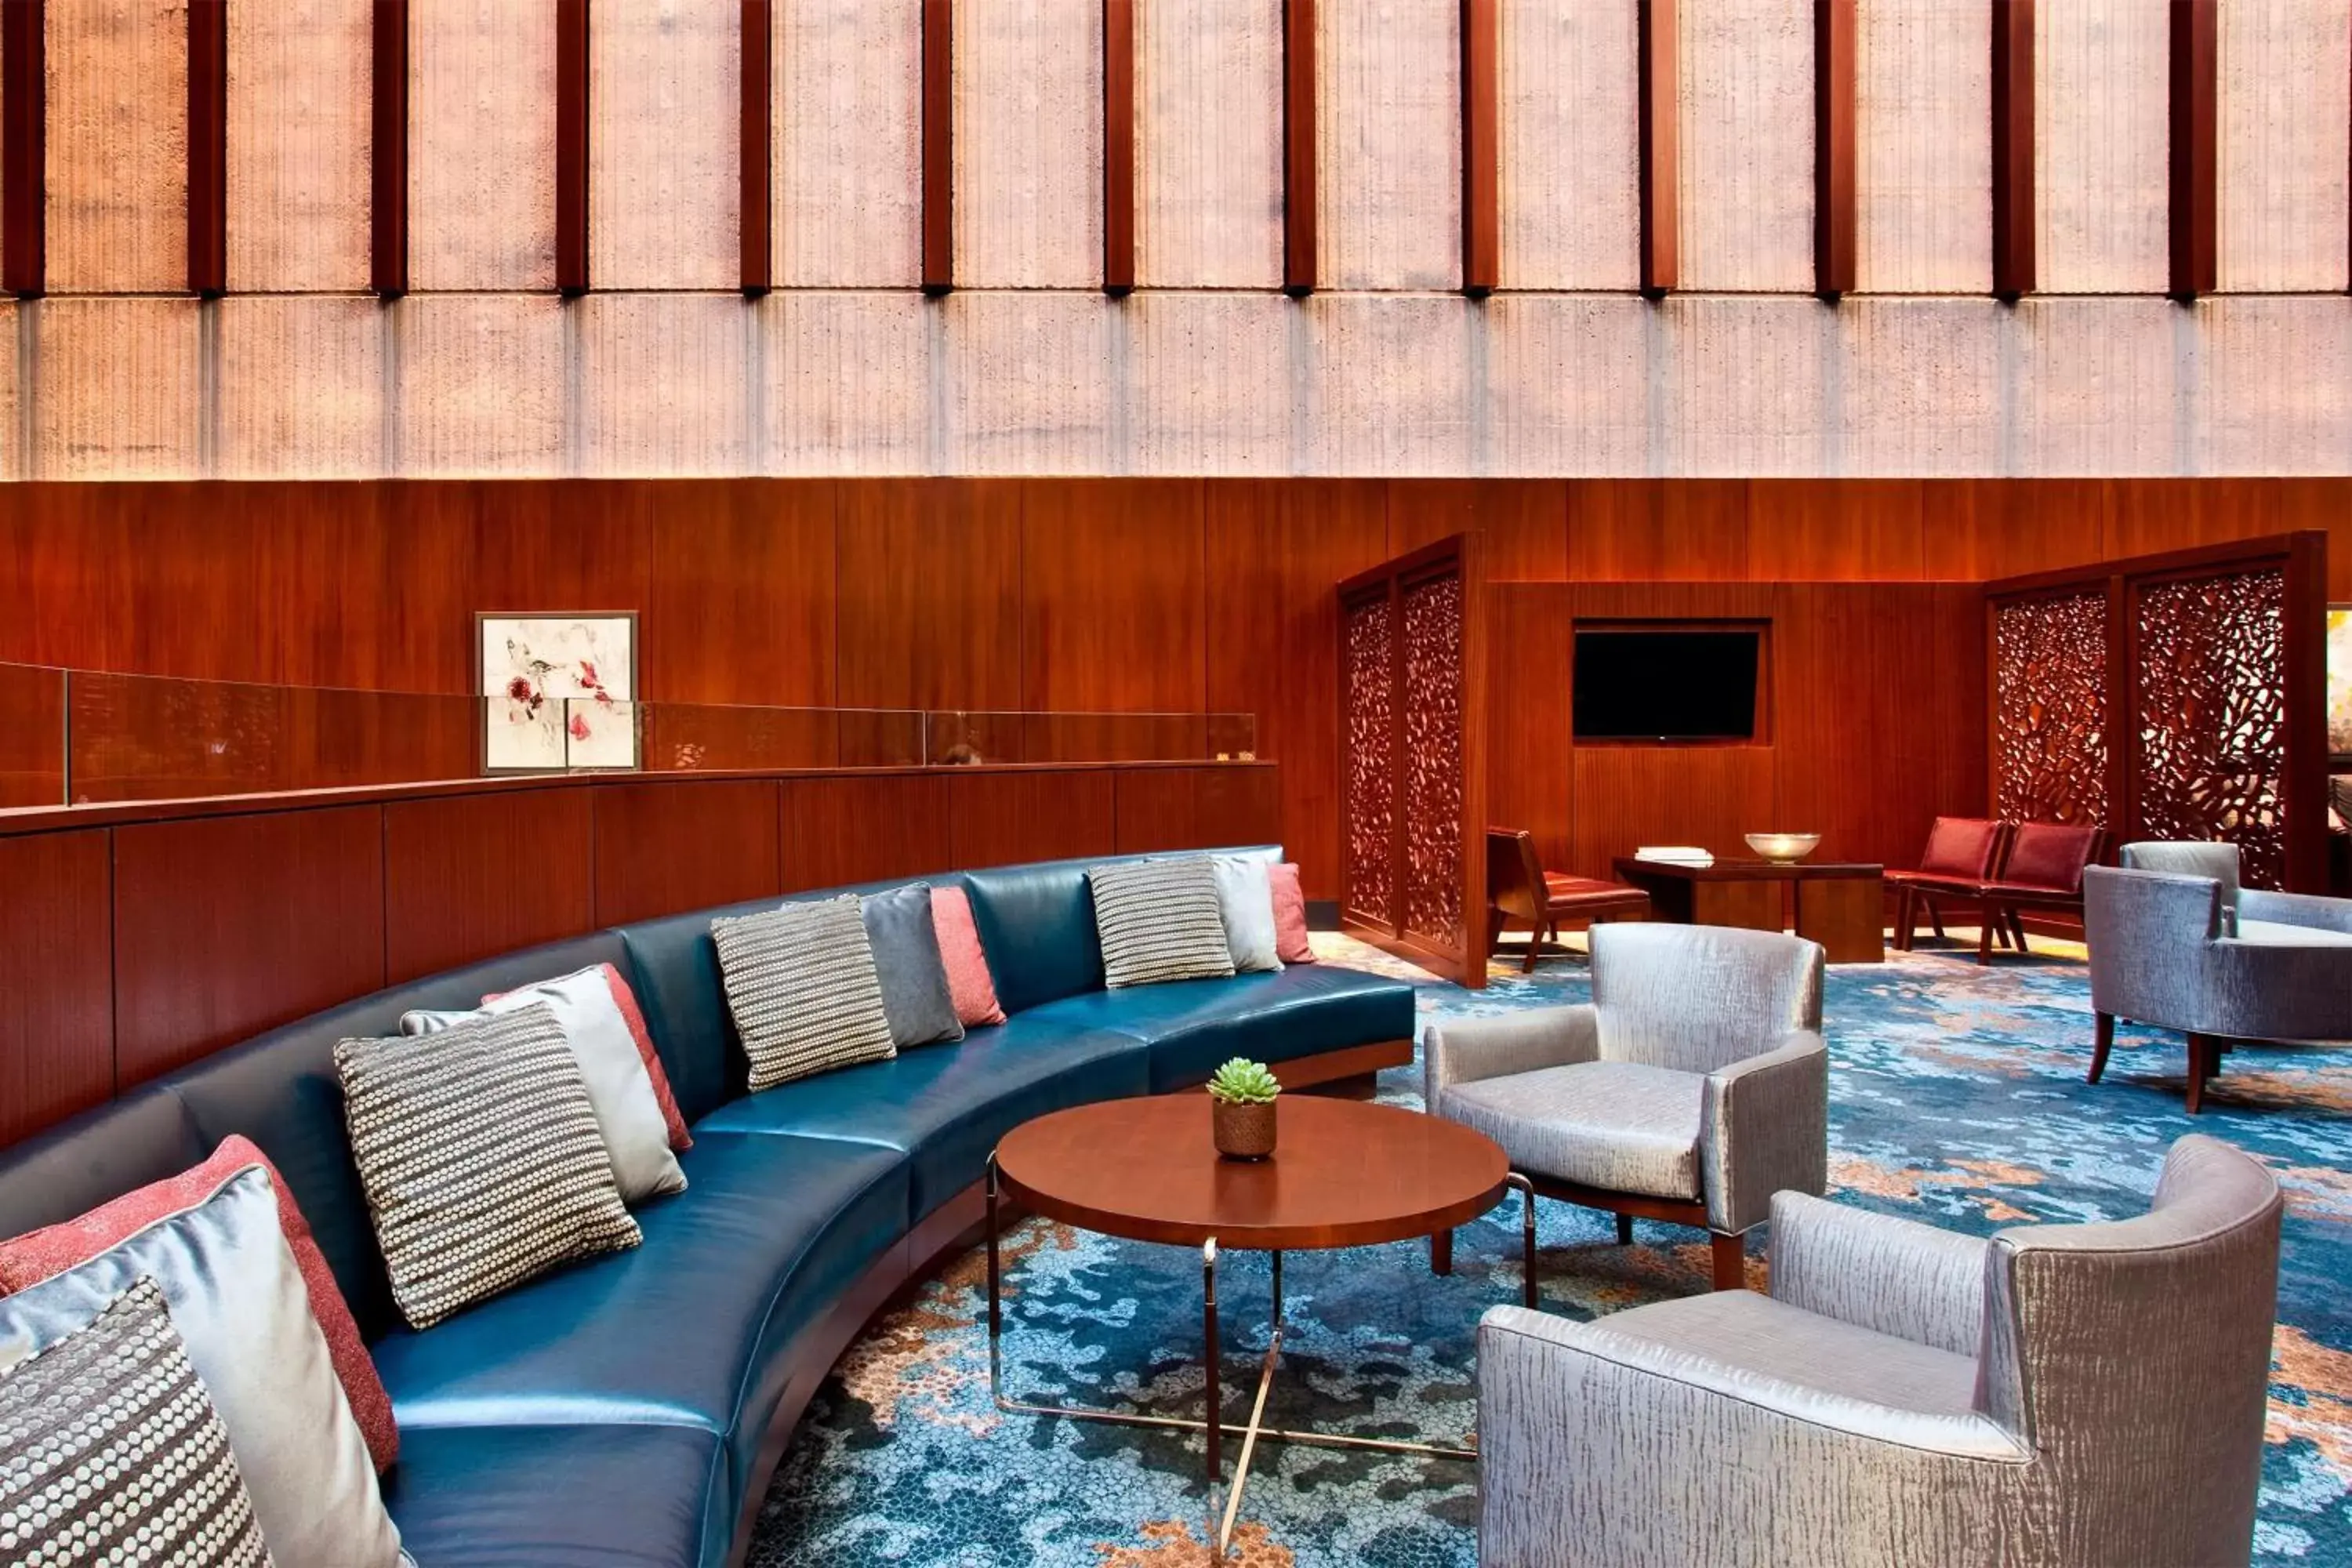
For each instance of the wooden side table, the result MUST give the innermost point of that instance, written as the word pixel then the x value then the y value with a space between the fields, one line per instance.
pixel 1839 904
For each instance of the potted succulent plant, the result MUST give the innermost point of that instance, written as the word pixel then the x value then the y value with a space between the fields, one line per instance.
pixel 1241 1109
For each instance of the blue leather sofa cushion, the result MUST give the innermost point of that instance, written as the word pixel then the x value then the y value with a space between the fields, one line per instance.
pixel 561 1497
pixel 1192 1026
pixel 947 1105
pixel 1037 924
pixel 95 1158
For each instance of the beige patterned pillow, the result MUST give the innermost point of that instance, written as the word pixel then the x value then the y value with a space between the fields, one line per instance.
pixel 1160 921
pixel 802 986
pixel 480 1156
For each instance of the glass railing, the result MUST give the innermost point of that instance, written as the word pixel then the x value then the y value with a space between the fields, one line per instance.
pixel 78 737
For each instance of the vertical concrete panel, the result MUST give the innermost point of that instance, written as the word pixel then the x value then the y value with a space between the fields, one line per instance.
pixel 2102 137
pixel 1028 144
pixel 846 383
pixel 1208 144
pixel 117 393
pixel 117 146
pixel 662 387
pixel 2095 383
pixel 1388 143
pixel 664 118
pixel 1568 384
pixel 1920 386
pixel 1746 103
pixel 848 144
pixel 2286 116
pixel 302 386
pixel 1569 153
pixel 1211 379
pixel 1748 379
pixel 481 144
pixel 1029 384
pixel 2277 378
pixel 300 95
pixel 1390 390
pixel 1923 155
pixel 481 385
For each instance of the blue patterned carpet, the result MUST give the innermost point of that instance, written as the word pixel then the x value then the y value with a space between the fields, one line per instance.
pixel 1956 1097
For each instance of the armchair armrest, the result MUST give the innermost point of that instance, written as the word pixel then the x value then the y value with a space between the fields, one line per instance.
pixel 2295 910
pixel 1874 1271
pixel 1474 1048
pixel 1764 1124
pixel 2258 991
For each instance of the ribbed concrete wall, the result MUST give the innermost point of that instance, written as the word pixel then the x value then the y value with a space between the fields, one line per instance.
pixel 1026 368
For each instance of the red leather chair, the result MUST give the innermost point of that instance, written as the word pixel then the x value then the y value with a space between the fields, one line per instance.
pixel 2042 870
pixel 1963 853
pixel 1518 888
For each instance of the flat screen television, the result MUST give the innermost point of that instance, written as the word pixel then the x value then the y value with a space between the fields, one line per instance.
pixel 1666 683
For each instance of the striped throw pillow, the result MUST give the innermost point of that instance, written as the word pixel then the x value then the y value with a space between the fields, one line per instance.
pixel 802 986
pixel 479 1150
pixel 1160 921
pixel 110 1450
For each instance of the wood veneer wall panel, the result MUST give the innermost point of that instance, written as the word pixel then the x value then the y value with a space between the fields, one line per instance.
pixel 1194 808
pixel 226 926
pixel 1977 529
pixel 32 737
pixel 57 979
pixel 2146 517
pixel 1627 796
pixel 1812 530
pixel 661 848
pixel 838 831
pixel 1525 522
pixel 945 633
pixel 741 595
pixel 1531 748
pixel 1658 529
pixel 1112 611
pixel 299 102
pixel 481 163
pixel 1007 818
pixel 472 875
pixel 574 545
pixel 371 582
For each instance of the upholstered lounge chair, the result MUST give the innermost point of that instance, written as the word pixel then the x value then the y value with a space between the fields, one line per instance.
pixel 1519 888
pixel 2176 942
pixel 1962 854
pixel 2057 1396
pixel 1692 1088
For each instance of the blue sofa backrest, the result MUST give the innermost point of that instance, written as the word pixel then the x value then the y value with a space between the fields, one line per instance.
pixel 1037 926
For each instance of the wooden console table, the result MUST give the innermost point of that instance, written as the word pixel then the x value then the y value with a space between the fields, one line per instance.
pixel 1839 904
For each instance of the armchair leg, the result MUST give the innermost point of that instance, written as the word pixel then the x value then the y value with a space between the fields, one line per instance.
pixel 1730 1260
pixel 1906 919
pixel 1624 1230
pixel 2104 1042
pixel 2016 932
pixel 2204 1061
pixel 1535 945
pixel 1984 934
pixel 1935 919
pixel 1441 1252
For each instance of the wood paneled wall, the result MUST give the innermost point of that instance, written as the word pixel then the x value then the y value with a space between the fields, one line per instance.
pixel 1118 595
pixel 158 934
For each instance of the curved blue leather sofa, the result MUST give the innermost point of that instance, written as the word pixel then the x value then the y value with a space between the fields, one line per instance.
pixel 630 1410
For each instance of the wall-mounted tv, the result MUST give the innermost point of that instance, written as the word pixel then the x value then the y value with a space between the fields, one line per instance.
pixel 1667 682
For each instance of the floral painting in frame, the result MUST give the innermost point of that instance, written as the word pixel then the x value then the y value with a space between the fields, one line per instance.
pixel 2339 684
pixel 558 691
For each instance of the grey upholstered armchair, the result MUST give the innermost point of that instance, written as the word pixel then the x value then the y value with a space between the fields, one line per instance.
pixel 2060 1395
pixel 2177 943
pixel 1693 1087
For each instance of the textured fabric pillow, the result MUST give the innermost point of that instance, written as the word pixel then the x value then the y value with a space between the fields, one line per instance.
pixel 110 1452
pixel 1246 903
pixel 633 1018
pixel 1160 921
pixel 801 985
pixel 238 1303
pixel 479 1151
pixel 1291 943
pixel 907 963
pixel 969 982
pixel 629 1117
pixel 42 1254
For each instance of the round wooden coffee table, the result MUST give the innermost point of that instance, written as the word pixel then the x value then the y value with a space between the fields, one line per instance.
pixel 1343 1173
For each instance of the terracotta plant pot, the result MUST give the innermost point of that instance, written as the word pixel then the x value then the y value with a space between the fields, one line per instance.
pixel 1241 1131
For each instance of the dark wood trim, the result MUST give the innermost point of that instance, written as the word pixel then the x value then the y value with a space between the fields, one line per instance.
pixel 207 148
pixel 2302 781
pixel 2012 148
pixel 939 146
pixel 1340 1066
pixel 1655 78
pixel 24 144
pixel 388 151
pixel 1833 151
pixel 2195 157
pixel 754 214
pixel 1299 148
pixel 571 146
pixel 1728 1255
pixel 1481 159
pixel 1118 146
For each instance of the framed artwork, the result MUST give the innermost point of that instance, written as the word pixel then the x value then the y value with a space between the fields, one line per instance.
pixel 2339 685
pixel 558 691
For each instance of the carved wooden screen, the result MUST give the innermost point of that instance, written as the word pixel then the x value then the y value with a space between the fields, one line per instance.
pixel 1413 857
pixel 2171 697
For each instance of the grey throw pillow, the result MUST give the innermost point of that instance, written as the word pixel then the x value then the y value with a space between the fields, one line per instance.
pixel 1160 921
pixel 801 985
pixel 914 978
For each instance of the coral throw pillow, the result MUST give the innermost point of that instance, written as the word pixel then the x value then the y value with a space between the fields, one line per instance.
pixel 1290 944
pixel 43 1254
pixel 969 982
